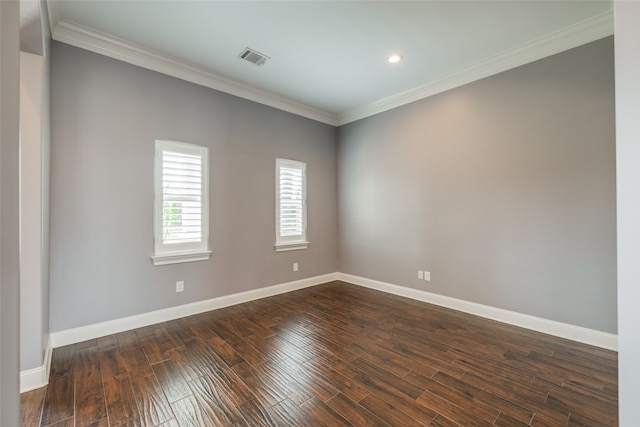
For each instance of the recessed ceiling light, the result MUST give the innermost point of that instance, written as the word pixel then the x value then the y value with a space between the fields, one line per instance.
pixel 396 57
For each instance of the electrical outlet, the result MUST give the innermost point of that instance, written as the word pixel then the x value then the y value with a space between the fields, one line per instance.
pixel 180 286
pixel 420 274
pixel 427 276
pixel 295 266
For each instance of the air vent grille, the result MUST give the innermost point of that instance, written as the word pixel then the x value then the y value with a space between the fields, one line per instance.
pixel 253 56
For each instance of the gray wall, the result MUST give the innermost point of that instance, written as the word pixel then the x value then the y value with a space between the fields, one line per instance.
pixel 504 189
pixel 628 169
pixel 105 117
pixel 9 255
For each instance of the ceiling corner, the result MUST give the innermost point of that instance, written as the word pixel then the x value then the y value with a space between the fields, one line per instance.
pixel 566 38
pixel 54 13
pixel 89 39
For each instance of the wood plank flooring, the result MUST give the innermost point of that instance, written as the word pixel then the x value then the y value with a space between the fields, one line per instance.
pixel 330 355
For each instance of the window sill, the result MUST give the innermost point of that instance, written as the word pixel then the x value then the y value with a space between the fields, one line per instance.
pixel 180 258
pixel 290 246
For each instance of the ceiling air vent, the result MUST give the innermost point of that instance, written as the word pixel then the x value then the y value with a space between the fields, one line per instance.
pixel 253 56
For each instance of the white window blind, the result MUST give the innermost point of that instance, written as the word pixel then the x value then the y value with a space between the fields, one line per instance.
pixel 290 205
pixel 181 218
pixel 181 197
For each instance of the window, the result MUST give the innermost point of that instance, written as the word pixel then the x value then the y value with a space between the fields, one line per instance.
pixel 291 205
pixel 181 218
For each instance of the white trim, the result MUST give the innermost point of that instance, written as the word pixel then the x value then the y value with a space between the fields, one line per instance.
pixel 551 327
pixel 558 41
pixel 32 379
pixel 55 14
pixel 107 45
pixel 562 330
pixel 178 252
pixel 290 246
pixel 179 258
pixel 83 333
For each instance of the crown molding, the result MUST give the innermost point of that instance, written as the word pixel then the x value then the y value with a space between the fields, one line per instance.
pixel 86 38
pixel 566 38
pixel 558 41
pixel 54 13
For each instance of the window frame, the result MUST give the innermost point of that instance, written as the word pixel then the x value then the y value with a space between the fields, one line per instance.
pixel 186 251
pixel 291 243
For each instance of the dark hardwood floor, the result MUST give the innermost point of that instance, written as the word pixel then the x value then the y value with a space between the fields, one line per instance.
pixel 330 355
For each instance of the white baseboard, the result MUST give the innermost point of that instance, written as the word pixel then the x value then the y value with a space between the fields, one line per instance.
pixel 551 327
pixel 32 379
pixel 83 333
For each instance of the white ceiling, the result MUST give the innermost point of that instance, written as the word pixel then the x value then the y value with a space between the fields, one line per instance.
pixel 328 58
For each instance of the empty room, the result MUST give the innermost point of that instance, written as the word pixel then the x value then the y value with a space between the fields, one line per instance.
pixel 307 213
